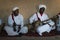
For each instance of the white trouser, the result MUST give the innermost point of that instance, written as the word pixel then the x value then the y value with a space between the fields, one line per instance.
pixel 52 23
pixel 11 32
pixel 44 28
pixel 58 26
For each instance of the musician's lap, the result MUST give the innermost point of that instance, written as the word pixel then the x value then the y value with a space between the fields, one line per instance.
pixel 11 32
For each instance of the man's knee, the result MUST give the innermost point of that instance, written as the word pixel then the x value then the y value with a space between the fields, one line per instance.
pixel 6 27
pixel 24 30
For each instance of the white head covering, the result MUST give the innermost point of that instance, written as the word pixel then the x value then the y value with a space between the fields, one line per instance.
pixel 15 8
pixel 40 6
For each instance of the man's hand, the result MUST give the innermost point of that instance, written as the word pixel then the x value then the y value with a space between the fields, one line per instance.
pixel 14 26
pixel 19 27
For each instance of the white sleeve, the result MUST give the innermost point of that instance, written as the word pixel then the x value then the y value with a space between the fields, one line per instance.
pixel 46 18
pixel 57 22
pixel 22 21
pixel 10 21
pixel 51 22
pixel 0 21
pixel 33 18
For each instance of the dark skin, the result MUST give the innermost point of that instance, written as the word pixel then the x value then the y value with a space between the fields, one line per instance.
pixel 15 13
pixel 41 10
pixel 57 15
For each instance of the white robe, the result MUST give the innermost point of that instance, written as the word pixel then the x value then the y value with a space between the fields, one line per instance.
pixel 58 23
pixel 19 21
pixel 0 21
pixel 45 27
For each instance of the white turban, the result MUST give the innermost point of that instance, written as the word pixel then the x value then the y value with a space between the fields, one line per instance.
pixel 15 8
pixel 40 6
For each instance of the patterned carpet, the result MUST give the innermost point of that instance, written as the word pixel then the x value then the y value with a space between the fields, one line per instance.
pixel 30 34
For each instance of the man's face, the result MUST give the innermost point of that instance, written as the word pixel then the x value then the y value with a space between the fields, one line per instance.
pixel 41 10
pixel 58 16
pixel 16 12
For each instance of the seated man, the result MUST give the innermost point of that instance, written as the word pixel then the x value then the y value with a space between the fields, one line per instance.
pixel 58 22
pixel 0 22
pixel 47 24
pixel 15 23
pixel 0 25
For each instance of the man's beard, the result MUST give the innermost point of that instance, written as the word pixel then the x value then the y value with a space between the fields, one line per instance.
pixel 15 14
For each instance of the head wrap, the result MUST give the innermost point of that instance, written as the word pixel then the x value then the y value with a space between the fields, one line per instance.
pixel 40 6
pixel 15 8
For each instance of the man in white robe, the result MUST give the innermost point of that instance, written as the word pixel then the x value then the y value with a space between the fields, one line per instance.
pixel 58 22
pixel 15 23
pixel 42 16
pixel 0 22
pixel 0 25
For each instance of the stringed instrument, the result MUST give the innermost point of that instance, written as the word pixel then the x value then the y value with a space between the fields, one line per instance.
pixel 32 27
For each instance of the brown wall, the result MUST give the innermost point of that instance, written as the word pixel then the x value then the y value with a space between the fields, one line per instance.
pixel 28 7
